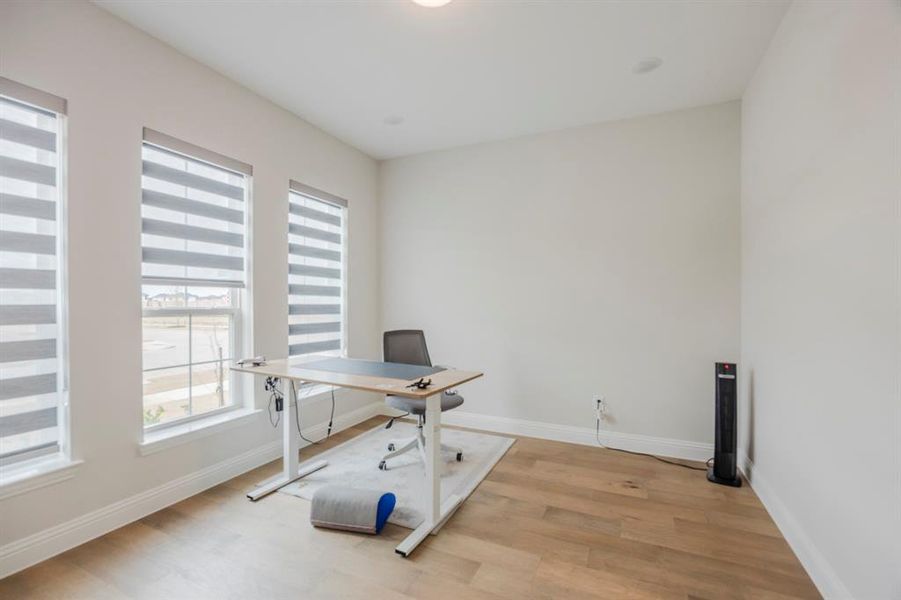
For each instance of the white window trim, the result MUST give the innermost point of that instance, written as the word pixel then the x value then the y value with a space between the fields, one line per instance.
pixel 327 198
pixel 62 249
pixel 314 392
pixel 18 478
pixel 41 472
pixel 204 425
pixel 242 406
pixel 345 273
pixel 207 424
pixel 236 343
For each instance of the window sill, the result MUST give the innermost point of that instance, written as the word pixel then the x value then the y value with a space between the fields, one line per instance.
pixel 41 473
pixel 155 441
pixel 318 392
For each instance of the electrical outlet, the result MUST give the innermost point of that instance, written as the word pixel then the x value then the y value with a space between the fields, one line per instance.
pixel 600 407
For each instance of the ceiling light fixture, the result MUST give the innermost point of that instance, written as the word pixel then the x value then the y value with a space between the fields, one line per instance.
pixel 432 3
pixel 646 65
pixel 394 120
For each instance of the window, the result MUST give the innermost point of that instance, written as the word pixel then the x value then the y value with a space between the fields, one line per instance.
pixel 194 223
pixel 317 253
pixel 33 378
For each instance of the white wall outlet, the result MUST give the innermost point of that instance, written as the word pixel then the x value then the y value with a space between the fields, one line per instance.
pixel 600 407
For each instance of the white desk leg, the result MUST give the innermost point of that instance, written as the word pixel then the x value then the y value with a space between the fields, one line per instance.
pixel 435 511
pixel 290 470
pixel 433 465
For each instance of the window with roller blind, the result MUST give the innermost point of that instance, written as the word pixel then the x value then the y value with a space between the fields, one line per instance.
pixel 33 374
pixel 194 223
pixel 317 259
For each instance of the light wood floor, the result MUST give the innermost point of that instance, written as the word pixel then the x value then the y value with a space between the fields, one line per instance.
pixel 552 520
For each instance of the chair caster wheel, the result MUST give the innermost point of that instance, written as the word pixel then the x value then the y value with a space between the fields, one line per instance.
pixel 383 466
pixel 390 447
pixel 459 457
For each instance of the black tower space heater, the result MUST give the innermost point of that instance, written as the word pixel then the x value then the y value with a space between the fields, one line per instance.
pixel 724 466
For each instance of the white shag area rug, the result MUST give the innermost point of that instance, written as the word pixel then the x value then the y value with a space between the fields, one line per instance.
pixel 355 463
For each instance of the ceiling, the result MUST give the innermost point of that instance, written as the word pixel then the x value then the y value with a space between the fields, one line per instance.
pixel 471 71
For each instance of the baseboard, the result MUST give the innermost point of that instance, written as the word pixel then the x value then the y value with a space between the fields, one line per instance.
pixel 45 544
pixel 581 435
pixel 816 565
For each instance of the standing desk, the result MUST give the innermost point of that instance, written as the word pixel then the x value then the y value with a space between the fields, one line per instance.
pixel 347 373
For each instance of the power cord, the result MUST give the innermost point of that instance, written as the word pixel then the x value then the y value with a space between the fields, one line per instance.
pixel 276 395
pixel 331 417
pixel 392 419
pixel 663 460
pixel 297 418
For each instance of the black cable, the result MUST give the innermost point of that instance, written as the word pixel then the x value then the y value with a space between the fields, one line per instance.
pixel 331 418
pixel 297 416
pixel 278 415
pixel 663 460
pixel 276 394
pixel 392 419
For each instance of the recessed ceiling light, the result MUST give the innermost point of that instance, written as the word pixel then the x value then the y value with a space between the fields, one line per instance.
pixel 394 120
pixel 646 65
pixel 432 3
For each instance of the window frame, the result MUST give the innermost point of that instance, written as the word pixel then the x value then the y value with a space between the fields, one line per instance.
pixel 235 342
pixel 301 189
pixel 240 333
pixel 29 467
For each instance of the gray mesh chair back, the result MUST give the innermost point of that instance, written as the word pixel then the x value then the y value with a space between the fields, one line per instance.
pixel 406 346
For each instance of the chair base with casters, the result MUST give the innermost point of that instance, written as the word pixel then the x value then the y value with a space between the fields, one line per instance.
pixel 407 346
pixel 449 400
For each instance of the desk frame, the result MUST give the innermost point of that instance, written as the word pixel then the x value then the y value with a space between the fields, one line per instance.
pixel 436 512
pixel 291 470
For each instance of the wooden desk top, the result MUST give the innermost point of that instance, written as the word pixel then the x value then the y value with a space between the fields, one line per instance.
pixel 288 369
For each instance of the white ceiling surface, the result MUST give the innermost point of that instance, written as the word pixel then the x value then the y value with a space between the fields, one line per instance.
pixel 471 71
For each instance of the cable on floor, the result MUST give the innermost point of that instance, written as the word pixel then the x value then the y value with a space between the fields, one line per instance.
pixel 663 460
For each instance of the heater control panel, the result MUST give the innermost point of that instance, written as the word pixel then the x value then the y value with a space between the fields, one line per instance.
pixel 725 370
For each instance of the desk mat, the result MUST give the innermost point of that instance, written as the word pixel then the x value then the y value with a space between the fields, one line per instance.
pixel 372 368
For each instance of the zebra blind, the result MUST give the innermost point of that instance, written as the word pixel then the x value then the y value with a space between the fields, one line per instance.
pixel 32 373
pixel 316 275
pixel 193 215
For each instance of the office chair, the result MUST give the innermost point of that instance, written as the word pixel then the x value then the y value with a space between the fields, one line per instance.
pixel 408 346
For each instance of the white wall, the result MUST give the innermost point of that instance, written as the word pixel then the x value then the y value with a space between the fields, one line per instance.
pixel 602 259
pixel 820 291
pixel 118 80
